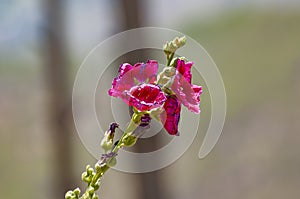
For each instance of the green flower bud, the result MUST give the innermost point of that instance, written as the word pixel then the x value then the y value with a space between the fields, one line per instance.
pixel 88 174
pixel 89 170
pixel 170 48
pixel 84 177
pixel 77 191
pixel 87 167
pixel 91 190
pixel 69 195
pixel 181 42
pixel 95 197
pixel 85 196
pixel 166 49
pixel 129 140
pixel 97 184
pixel 175 41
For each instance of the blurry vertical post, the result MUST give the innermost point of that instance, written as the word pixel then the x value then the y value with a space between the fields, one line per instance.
pixel 59 102
pixel 151 184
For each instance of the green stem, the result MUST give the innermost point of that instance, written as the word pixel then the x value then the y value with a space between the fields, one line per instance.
pixel 104 168
pixel 170 59
pixel 98 175
pixel 130 128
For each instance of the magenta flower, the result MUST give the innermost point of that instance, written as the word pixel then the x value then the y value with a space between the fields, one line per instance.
pixel 171 116
pixel 187 93
pixel 135 86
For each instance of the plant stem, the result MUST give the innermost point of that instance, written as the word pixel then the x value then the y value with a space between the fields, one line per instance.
pixel 100 171
pixel 170 59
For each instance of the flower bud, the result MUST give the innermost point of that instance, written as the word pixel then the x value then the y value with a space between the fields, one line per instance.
pixel 83 176
pixel 171 47
pixel 108 139
pixel 95 197
pixel 86 178
pixel 129 140
pixel 181 41
pixel 91 190
pixel 97 184
pixel 69 195
pixel 89 170
pixel 77 191
pixel 113 127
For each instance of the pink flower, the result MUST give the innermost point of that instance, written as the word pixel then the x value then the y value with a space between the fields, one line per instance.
pixel 187 93
pixel 171 116
pixel 135 86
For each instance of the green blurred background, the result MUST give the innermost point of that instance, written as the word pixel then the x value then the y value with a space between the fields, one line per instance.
pixel 255 44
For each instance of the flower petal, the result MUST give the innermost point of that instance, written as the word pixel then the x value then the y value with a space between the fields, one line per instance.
pixel 130 76
pixel 171 116
pixel 145 97
pixel 187 94
pixel 145 73
pixel 124 68
pixel 185 69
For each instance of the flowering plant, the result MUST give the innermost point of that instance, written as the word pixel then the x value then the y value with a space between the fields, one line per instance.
pixel 151 95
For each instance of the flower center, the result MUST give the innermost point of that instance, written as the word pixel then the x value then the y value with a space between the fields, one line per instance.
pixel 146 92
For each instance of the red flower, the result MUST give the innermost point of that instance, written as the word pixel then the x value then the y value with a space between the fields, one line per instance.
pixel 145 97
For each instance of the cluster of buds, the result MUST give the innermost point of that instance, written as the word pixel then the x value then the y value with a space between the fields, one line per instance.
pixel 172 46
pixel 88 176
pixel 73 194
pixel 166 76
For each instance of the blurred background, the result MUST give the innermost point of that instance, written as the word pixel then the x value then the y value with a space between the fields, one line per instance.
pixel 256 45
